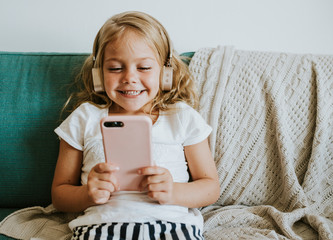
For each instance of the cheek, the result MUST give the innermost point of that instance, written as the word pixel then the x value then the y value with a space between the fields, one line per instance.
pixel 109 83
pixel 154 86
pixel 109 86
pixel 156 82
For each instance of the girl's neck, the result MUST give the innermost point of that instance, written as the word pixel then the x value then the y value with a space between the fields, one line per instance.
pixel 153 115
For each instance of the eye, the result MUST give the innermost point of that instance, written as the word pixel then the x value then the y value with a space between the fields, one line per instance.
pixel 144 68
pixel 115 69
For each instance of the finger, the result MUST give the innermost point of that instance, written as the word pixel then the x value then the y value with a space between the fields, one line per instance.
pixel 160 197
pixel 158 187
pixel 102 185
pixel 151 179
pixel 105 167
pixel 163 186
pixel 100 196
pixel 95 177
pixel 143 184
pixel 108 177
pixel 105 181
pixel 151 170
pixel 115 183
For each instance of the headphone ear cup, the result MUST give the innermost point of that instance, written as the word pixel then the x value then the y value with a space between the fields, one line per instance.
pixel 167 78
pixel 97 82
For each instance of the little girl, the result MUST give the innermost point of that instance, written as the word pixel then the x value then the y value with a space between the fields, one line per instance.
pixel 132 57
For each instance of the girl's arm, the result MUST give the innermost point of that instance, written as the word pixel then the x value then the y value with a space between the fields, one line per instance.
pixel 202 191
pixel 68 195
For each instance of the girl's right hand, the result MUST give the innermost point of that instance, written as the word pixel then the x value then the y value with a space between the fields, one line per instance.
pixel 102 183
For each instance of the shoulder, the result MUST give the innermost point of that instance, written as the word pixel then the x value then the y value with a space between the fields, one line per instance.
pixel 81 123
pixel 89 108
pixel 85 114
pixel 88 111
pixel 180 108
pixel 181 124
pixel 194 126
pixel 185 112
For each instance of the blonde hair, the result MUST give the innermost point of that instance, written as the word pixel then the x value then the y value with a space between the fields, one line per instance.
pixel 156 36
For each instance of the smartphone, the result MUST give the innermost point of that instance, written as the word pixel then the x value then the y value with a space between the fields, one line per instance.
pixel 127 144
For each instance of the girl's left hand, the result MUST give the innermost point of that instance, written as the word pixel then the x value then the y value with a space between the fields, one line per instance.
pixel 159 183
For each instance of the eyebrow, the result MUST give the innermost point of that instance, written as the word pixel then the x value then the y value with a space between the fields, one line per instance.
pixel 137 59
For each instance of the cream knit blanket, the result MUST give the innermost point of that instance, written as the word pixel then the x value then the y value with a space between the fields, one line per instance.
pixel 272 115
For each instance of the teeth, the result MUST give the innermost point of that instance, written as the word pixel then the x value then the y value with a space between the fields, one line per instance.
pixel 131 92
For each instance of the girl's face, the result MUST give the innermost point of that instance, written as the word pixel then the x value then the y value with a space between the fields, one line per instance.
pixel 131 74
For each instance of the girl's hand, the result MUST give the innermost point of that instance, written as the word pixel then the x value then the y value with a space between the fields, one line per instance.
pixel 102 183
pixel 159 183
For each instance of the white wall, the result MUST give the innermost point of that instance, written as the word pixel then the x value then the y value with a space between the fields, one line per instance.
pixel 299 26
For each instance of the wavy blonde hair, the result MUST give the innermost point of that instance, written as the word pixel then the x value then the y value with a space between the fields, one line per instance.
pixel 156 36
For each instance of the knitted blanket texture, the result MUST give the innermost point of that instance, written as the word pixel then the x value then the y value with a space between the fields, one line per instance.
pixel 272 115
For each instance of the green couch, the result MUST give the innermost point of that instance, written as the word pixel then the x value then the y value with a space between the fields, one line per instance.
pixel 33 87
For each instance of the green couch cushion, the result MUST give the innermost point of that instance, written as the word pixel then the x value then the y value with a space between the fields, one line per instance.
pixel 33 88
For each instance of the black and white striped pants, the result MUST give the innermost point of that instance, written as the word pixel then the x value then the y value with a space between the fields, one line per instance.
pixel 149 230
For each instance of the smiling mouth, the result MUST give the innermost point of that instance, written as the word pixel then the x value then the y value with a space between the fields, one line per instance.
pixel 131 93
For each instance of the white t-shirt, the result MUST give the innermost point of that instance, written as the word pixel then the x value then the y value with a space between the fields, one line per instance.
pixel 172 131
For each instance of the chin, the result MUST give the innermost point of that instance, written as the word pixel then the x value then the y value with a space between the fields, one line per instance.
pixel 131 108
pixel 135 110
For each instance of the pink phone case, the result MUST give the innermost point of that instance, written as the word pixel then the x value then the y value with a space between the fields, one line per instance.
pixel 127 144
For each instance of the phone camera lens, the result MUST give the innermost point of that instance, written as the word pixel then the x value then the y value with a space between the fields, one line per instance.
pixel 113 124
pixel 107 124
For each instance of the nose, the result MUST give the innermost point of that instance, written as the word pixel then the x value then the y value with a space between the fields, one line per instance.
pixel 130 76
